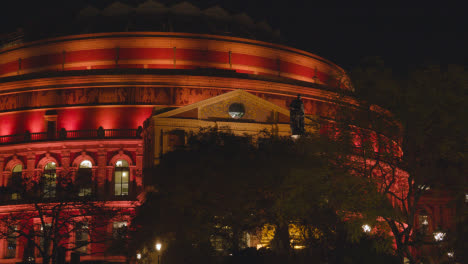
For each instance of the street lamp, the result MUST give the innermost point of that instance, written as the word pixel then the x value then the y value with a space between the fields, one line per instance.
pixel 158 248
pixel 138 256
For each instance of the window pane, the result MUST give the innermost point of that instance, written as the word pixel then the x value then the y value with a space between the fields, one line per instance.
pixel 121 179
pixel 124 189
pixel 42 230
pixel 81 237
pixel 84 192
pixel 18 168
pixel 50 166
pixel 11 244
pixel 118 190
pixel 118 177
pixel 15 182
pixel 119 230
pixel 121 163
pixel 49 180
pixel 84 180
pixel 86 164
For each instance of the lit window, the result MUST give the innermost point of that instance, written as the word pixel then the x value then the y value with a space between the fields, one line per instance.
pixel 121 178
pixel 16 182
pixel 84 178
pixel 81 237
pixel 121 163
pixel 423 220
pixel 44 232
pixel 49 178
pixel 86 164
pixel 119 230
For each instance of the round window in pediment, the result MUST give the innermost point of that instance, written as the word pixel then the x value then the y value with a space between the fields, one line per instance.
pixel 236 110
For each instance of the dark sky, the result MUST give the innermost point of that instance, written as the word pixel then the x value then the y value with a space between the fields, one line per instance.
pixel 342 33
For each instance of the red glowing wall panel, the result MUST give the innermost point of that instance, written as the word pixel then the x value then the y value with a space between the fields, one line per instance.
pixel 41 61
pixel 108 66
pixel 75 119
pixel 91 55
pixel 18 123
pixel 202 55
pixel 185 67
pixel 107 117
pixel 78 68
pixel 245 71
pixel 131 66
pixel 161 66
pixel 9 67
pixel 250 60
pixel 197 57
pixel 145 53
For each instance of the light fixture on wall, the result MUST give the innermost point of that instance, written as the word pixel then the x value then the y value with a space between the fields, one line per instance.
pixel 366 228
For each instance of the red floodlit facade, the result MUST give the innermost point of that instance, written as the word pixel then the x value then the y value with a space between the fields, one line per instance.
pixel 83 99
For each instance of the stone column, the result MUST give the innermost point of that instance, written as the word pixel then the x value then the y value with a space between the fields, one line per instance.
pixel 66 163
pixel 139 165
pixel 100 172
pixel 30 166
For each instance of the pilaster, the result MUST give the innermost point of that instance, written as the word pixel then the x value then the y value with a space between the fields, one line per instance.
pixel 101 167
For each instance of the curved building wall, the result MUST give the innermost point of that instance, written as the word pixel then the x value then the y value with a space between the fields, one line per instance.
pixel 89 95
pixel 169 51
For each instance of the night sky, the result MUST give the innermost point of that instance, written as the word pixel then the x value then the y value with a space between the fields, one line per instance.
pixel 401 35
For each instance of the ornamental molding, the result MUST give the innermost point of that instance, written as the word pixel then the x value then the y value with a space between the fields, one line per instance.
pixel 239 94
pixel 120 156
pixel 45 160
pixel 77 161
pixel 12 163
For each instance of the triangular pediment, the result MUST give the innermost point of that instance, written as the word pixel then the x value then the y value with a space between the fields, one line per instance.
pixel 254 108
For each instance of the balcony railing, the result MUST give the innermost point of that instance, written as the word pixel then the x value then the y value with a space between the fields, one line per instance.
pixel 64 134
pixel 104 192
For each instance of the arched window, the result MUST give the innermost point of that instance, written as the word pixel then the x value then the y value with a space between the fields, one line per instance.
pixel 49 180
pixel 121 178
pixel 84 178
pixel 16 182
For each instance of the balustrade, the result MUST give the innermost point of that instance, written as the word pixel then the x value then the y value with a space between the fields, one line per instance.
pixel 63 134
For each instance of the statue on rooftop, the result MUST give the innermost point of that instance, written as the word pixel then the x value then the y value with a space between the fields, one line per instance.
pixel 296 114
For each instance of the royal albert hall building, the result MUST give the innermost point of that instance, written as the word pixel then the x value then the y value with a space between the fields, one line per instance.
pixel 112 100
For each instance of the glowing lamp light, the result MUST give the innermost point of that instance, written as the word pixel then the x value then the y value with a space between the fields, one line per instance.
pixel 294 137
pixel 439 236
pixel 424 220
pixel 450 254
pixel 138 256
pixel 366 228
pixel 158 246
